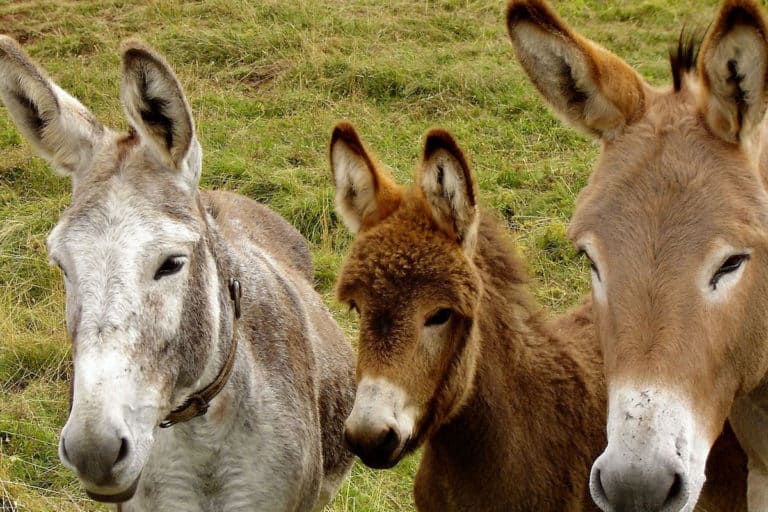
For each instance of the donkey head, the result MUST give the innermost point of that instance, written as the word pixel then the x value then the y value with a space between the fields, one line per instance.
pixel 673 221
pixel 141 286
pixel 410 276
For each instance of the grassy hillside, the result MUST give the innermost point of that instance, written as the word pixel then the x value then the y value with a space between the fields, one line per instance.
pixel 267 79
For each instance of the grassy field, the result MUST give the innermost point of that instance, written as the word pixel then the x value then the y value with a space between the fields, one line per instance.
pixel 267 80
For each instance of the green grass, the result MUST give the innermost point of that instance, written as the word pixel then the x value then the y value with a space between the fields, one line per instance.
pixel 267 80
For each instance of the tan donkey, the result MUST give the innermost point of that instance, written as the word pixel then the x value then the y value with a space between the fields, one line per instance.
pixel 675 222
pixel 454 355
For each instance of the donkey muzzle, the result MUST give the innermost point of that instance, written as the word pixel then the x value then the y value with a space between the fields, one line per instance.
pixel 100 456
pixel 618 484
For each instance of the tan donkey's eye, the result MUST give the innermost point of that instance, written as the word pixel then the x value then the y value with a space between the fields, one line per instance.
pixel 592 265
pixel 439 317
pixel 731 264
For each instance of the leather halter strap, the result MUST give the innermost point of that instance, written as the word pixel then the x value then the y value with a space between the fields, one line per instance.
pixel 197 403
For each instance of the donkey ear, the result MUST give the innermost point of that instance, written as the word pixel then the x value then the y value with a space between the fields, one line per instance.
pixel 365 195
pixel 58 126
pixel 158 110
pixel 585 84
pixel 448 186
pixel 733 64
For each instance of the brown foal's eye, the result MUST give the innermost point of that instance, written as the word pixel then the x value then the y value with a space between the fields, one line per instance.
pixel 439 317
pixel 731 264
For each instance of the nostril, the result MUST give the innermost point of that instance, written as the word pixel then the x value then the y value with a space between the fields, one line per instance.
pixel 390 441
pixel 599 485
pixel 64 453
pixel 676 489
pixel 123 452
pixel 348 441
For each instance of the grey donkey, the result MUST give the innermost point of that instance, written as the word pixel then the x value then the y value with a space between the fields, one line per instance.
pixel 187 309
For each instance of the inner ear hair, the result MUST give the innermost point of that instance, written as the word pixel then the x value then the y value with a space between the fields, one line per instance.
pixel 365 193
pixel 446 182
pixel 586 85
pixel 733 63
pixel 154 101
pixel 58 126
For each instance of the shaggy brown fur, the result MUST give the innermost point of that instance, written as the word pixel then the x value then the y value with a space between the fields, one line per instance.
pixel 513 406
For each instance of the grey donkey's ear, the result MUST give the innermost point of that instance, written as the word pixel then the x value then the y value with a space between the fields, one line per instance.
pixel 447 183
pixel 58 126
pixel 158 110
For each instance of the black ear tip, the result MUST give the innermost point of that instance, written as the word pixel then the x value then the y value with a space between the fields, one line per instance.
pixel 517 11
pixel 526 10
pixel 437 139
pixel 134 52
pixel 345 132
pixel 743 13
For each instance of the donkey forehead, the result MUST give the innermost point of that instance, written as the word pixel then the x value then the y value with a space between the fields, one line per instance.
pixel 671 184
pixel 120 211
pixel 407 261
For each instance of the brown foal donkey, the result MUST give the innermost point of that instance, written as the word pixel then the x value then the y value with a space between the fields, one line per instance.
pixel 454 355
pixel 675 222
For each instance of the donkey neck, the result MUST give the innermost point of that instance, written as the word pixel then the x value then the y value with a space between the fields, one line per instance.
pixel 221 268
pixel 532 395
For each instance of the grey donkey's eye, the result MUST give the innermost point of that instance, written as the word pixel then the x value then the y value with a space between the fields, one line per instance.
pixel 54 261
pixel 170 266
pixel 731 264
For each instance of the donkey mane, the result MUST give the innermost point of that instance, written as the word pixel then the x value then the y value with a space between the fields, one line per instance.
pixel 683 58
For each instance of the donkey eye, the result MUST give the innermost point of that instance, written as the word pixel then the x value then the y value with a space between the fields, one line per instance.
pixel 170 266
pixel 56 263
pixel 732 264
pixel 592 265
pixel 439 317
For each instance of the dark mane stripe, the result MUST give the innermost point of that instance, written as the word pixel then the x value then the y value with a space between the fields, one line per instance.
pixel 683 58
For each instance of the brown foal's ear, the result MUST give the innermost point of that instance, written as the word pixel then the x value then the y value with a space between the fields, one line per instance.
pixel 583 83
pixel 733 65
pixel 449 187
pixel 365 194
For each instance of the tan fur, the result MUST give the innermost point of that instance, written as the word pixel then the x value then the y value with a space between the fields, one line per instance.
pixel 676 182
pixel 591 87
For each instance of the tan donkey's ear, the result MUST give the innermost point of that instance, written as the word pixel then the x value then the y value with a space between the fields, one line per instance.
pixel 584 83
pixel 733 64
pixel 365 194
pixel 448 186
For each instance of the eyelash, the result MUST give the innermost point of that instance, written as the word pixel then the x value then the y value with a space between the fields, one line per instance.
pixel 592 265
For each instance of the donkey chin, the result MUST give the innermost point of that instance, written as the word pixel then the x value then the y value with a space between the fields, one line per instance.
pixel 655 457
